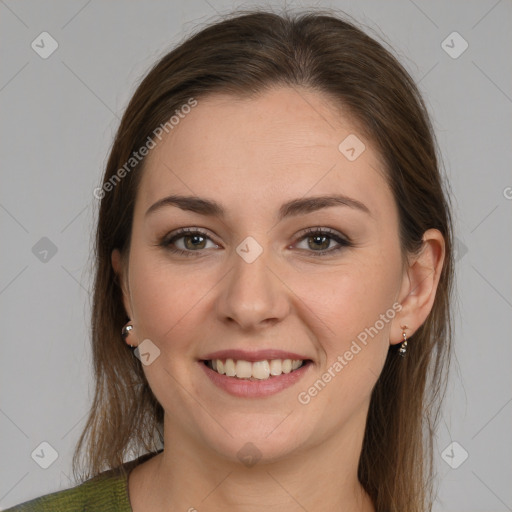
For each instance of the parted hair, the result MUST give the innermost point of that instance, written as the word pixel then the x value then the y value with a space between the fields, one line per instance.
pixel 244 54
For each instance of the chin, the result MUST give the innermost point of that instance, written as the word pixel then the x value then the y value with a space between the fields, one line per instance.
pixel 256 438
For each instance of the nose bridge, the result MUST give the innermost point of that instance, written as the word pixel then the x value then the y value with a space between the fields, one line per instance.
pixel 252 294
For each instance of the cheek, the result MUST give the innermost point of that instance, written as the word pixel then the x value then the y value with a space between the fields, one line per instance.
pixel 351 310
pixel 351 313
pixel 351 299
pixel 165 298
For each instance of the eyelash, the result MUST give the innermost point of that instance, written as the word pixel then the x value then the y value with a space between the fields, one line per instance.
pixel 343 242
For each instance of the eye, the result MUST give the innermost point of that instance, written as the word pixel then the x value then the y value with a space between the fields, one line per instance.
pixel 316 241
pixel 319 241
pixel 187 240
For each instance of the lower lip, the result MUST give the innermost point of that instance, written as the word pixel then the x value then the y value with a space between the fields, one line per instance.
pixel 255 388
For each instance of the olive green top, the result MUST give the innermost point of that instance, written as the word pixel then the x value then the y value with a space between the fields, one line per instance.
pixel 106 492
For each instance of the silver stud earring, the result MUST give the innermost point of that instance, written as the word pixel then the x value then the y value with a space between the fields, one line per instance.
pixel 125 332
pixel 403 347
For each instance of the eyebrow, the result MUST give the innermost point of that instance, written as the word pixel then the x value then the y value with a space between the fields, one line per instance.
pixel 294 207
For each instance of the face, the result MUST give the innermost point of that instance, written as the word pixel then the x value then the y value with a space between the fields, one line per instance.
pixel 263 270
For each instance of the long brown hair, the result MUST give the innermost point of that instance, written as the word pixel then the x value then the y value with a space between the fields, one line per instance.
pixel 245 54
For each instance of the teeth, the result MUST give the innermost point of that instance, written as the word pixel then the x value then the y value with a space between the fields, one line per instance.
pixel 229 368
pixel 260 370
pixel 243 369
pixel 296 364
pixel 275 367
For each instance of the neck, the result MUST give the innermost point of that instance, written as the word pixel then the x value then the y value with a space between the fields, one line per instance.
pixel 185 476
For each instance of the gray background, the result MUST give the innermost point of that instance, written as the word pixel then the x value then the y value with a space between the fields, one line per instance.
pixel 58 118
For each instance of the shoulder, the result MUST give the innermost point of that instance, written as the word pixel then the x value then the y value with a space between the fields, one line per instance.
pixel 106 492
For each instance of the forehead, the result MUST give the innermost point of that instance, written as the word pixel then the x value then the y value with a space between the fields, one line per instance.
pixel 284 143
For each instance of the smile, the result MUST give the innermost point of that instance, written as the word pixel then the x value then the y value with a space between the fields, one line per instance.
pixel 254 370
pixel 258 378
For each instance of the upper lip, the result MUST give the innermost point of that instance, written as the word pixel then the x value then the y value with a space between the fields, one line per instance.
pixel 257 355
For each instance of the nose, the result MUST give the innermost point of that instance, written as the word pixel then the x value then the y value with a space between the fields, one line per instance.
pixel 252 294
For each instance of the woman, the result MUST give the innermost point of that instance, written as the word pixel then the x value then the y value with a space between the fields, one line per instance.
pixel 271 324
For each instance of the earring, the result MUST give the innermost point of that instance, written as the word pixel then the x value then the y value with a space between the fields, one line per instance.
pixel 125 332
pixel 403 347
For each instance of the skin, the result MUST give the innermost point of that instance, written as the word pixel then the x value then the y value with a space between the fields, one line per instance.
pixel 251 156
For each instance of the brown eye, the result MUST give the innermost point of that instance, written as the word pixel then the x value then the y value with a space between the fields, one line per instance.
pixel 193 242
pixel 321 242
pixel 187 241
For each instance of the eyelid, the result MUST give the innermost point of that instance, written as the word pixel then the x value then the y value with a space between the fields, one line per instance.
pixel 187 231
pixel 336 235
pixel 341 239
pixel 325 230
pixel 165 242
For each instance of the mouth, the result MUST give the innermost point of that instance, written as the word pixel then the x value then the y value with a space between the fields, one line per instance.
pixel 255 374
pixel 265 369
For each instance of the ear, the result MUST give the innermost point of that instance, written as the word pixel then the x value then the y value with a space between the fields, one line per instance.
pixel 419 285
pixel 118 265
